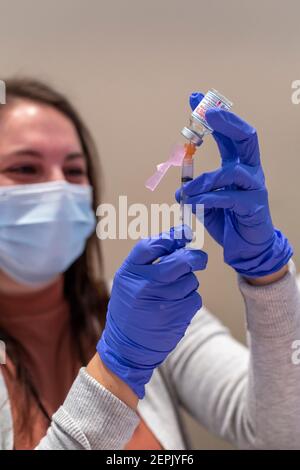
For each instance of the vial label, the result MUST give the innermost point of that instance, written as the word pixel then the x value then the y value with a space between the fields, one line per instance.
pixel 212 99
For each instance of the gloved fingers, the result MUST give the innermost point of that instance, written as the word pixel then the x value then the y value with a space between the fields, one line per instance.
pixel 191 304
pixel 238 201
pixel 149 249
pixel 214 222
pixel 226 148
pixel 213 219
pixel 195 99
pixel 220 178
pixel 176 290
pixel 178 195
pixel 181 311
pixel 243 136
pixel 169 267
pixel 221 199
pixel 179 263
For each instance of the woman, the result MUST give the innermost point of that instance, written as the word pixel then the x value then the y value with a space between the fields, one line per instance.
pixel 157 351
pixel 46 142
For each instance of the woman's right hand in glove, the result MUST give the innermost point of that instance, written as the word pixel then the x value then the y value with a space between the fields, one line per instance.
pixel 153 300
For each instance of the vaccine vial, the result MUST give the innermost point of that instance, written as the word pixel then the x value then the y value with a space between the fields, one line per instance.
pixel 198 126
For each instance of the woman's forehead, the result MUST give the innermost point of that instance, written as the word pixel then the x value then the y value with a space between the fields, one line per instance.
pixel 29 121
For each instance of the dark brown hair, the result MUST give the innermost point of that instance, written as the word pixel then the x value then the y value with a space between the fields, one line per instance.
pixel 84 287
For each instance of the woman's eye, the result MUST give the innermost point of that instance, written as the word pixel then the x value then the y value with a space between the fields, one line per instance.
pixel 23 169
pixel 75 172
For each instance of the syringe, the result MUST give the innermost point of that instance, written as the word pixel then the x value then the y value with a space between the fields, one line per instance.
pixel 187 174
pixel 196 130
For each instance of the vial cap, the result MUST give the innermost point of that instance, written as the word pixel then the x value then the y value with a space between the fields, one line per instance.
pixel 191 136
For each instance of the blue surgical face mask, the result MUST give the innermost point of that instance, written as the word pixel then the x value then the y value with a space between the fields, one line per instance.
pixel 43 229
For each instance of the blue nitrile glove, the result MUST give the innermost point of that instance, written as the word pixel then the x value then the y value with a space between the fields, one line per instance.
pixel 150 308
pixel 235 198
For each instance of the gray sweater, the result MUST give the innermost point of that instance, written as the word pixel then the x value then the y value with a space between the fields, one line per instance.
pixel 251 397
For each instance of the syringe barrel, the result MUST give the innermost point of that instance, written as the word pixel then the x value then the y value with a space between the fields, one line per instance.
pixel 187 174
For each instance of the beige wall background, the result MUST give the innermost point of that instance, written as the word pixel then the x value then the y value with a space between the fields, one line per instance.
pixel 130 65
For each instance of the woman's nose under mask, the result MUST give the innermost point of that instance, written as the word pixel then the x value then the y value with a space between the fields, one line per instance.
pixel 43 229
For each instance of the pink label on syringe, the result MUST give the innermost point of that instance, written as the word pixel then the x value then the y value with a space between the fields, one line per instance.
pixel 175 159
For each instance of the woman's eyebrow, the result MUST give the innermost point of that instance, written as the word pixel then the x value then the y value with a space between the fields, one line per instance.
pixel 30 152
pixel 36 153
pixel 74 155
